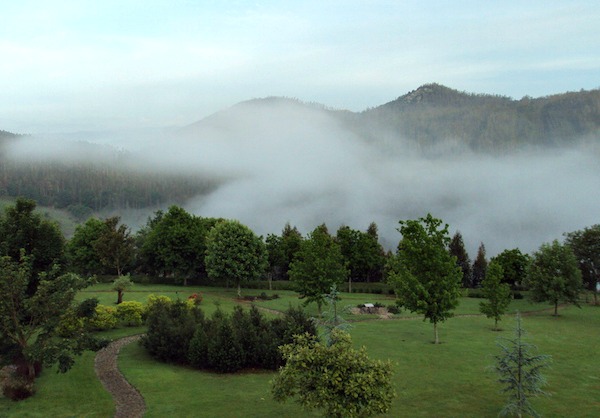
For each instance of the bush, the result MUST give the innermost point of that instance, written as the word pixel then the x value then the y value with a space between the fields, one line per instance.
pixel 222 343
pixel 394 309
pixel 14 385
pixel 476 293
pixel 130 313
pixel 104 319
pixel 171 327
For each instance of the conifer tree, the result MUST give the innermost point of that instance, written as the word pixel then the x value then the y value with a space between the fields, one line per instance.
pixel 457 249
pixel 520 373
pixel 479 267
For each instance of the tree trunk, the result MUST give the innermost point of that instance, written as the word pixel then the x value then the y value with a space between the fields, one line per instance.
pixel 239 291
pixel 119 296
pixel 435 333
pixel 349 284
pixel 495 324
pixel 555 308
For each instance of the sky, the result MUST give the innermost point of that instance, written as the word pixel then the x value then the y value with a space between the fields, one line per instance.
pixel 69 66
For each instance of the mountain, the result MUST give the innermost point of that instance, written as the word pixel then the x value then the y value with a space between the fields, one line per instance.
pixel 430 118
pixel 482 122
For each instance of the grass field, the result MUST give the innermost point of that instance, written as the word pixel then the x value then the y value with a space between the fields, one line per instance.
pixel 452 379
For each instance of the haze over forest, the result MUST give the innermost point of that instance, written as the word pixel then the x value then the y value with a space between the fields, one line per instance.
pixel 508 173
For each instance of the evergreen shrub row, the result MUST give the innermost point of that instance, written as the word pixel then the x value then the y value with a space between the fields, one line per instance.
pixel 178 333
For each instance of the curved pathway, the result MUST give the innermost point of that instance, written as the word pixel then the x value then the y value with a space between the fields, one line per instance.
pixel 128 400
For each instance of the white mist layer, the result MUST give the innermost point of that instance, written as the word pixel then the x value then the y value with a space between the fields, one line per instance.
pixel 284 162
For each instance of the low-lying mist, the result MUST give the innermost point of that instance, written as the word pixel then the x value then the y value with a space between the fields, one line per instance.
pixel 280 161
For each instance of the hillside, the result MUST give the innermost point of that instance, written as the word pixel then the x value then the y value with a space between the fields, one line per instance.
pixel 481 122
pixel 87 177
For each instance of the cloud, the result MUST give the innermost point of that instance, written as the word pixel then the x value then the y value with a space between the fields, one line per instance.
pixel 281 161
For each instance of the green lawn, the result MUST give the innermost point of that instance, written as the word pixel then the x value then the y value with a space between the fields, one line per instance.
pixel 452 379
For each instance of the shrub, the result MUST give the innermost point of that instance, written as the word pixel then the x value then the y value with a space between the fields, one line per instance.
pixel 69 323
pixel 130 313
pixel 14 385
pixel 393 309
pixel 104 319
pixel 171 327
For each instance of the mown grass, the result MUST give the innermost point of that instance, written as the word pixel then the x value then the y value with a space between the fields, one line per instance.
pixel 447 380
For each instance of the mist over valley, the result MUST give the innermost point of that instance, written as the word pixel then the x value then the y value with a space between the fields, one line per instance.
pixel 508 173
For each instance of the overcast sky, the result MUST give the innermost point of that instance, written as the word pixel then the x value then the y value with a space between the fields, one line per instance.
pixel 96 65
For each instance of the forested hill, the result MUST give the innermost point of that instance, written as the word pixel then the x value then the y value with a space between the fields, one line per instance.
pixel 482 122
pixel 432 118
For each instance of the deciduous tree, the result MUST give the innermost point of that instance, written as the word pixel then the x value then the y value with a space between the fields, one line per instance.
pixel 318 266
pixel 23 229
pixel 554 275
pixel 338 379
pixel 115 245
pixel 234 252
pixel 514 266
pixel 586 247
pixel 497 293
pixel 30 318
pixel 424 275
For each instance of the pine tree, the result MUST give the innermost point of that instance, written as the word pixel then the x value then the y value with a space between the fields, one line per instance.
pixel 520 373
pixel 457 249
pixel 479 267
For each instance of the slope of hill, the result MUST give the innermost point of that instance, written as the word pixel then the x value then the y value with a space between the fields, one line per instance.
pixel 481 122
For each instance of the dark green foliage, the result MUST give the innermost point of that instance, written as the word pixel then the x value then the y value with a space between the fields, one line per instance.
pixel 424 275
pixel 22 229
pixel 363 254
pixel 479 267
pixel 171 327
pixel 586 247
pixel 282 251
pixel 115 246
pixel 554 275
pixel 514 266
pixel 520 373
pixel 32 318
pixel 318 266
pixel 173 244
pixel 457 249
pixel 115 181
pixel 225 353
pixel 222 343
pixel 81 253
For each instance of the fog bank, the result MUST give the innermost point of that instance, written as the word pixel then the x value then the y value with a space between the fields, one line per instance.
pixel 285 162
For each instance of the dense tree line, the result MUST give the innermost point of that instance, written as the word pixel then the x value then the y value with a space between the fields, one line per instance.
pixel 84 188
pixel 38 289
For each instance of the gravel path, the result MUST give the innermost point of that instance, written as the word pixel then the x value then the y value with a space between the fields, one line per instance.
pixel 128 400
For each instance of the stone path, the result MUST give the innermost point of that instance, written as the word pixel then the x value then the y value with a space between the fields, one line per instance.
pixel 128 400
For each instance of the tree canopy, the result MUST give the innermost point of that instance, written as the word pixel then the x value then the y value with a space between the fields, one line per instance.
pixel 424 275
pixel 585 244
pixel 318 266
pixel 338 379
pixel 497 293
pixel 457 249
pixel 234 252
pixel 30 318
pixel 554 275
